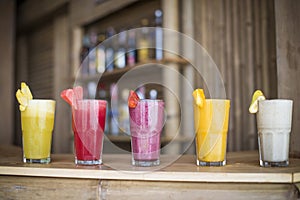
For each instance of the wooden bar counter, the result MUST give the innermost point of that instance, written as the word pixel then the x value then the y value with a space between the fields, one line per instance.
pixel 178 177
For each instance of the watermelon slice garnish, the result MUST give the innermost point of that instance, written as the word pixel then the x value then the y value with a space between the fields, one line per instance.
pixel 71 96
pixel 133 99
pixel 67 95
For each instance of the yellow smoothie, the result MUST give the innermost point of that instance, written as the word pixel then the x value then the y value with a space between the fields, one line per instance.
pixel 211 126
pixel 37 126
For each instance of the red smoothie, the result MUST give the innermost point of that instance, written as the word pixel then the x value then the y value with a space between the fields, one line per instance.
pixel 88 122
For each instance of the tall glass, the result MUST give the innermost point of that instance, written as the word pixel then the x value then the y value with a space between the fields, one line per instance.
pixel 211 125
pixel 37 123
pixel 88 122
pixel 274 121
pixel 146 123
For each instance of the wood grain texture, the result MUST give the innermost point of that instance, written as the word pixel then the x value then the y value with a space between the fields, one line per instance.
pixel 41 61
pixel 296 177
pixel 178 190
pixel 182 179
pixel 14 187
pixel 84 12
pixel 288 61
pixel 61 140
pixel 7 71
pixel 241 167
pixel 240 38
pixel 33 11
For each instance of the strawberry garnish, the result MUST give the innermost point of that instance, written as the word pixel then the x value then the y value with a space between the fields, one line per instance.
pixel 133 99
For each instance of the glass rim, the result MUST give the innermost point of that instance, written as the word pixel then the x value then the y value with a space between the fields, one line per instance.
pixel 92 100
pixel 159 100
pixel 42 100
pixel 217 99
pixel 276 100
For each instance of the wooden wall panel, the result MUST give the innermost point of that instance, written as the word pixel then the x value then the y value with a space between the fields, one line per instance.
pixel 43 59
pixel 35 11
pixel 240 37
pixel 182 190
pixel 7 89
pixel 62 137
pixel 288 60
pixel 84 12
pixel 40 61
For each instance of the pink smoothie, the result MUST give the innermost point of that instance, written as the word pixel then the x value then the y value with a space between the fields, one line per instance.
pixel 88 122
pixel 146 123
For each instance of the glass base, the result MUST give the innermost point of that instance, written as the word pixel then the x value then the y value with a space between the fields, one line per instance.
pixel 145 163
pixel 88 162
pixel 218 163
pixel 40 161
pixel 273 164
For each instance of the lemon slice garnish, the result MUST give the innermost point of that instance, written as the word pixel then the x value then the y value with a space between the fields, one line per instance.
pixel 23 96
pixel 199 97
pixel 257 96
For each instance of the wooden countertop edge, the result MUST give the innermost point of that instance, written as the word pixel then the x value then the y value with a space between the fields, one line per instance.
pixel 153 175
pixel 296 177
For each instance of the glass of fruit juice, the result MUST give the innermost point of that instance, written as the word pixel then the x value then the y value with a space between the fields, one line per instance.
pixel 88 122
pixel 37 122
pixel 211 126
pixel 146 123
pixel 274 122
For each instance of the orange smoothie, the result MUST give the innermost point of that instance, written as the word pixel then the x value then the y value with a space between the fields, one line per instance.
pixel 37 126
pixel 211 126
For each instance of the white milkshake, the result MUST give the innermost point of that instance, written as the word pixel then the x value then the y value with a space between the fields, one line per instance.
pixel 274 119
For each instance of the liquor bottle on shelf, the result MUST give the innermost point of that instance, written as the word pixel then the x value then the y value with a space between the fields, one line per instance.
pixel 109 50
pixel 120 54
pixel 92 89
pixel 114 113
pixel 153 94
pixel 143 42
pixel 131 57
pixel 100 54
pixel 124 112
pixel 158 35
pixel 103 95
pixel 93 53
pixel 84 52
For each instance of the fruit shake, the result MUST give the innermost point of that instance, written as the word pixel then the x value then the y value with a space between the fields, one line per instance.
pixel 274 118
pixel 211 126
pixel 37 122
pixel 274 122
pixel 37 126
pixel 146 123
pixel 88 122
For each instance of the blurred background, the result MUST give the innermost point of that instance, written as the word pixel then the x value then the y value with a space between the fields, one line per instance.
pixel 50 44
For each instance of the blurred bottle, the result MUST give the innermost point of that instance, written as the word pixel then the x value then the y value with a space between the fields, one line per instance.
pixel 120 55
pixel 103 95
pixel 158 35
pixel 114 114
pixel 109 51
pixel 101 54
pixel 131 56
pixel 124 112
pixel 92 90
pixel 84 52
pixel 93 53
pixel 143 41
pixel 153 94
